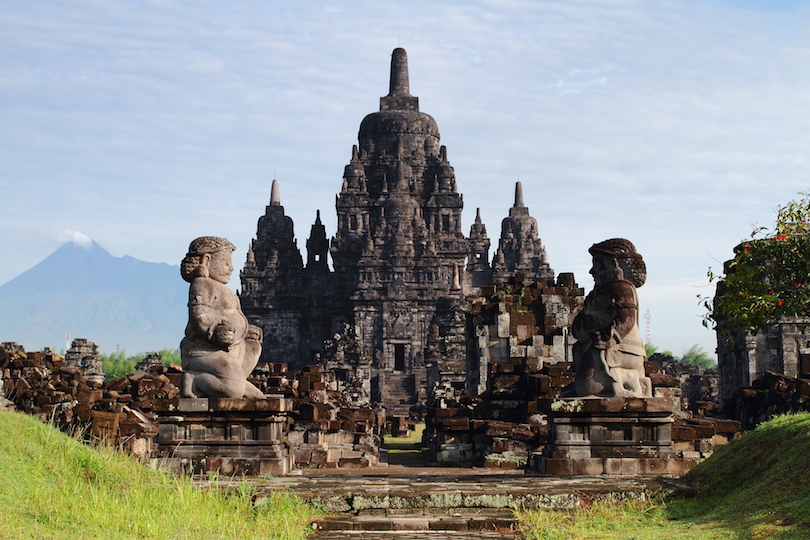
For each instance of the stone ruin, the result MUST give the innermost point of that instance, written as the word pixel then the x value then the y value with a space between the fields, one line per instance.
pixel 311 418
pixel 500 419
pixel 83 354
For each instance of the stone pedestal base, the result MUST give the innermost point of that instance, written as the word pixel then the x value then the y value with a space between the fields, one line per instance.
pixel 616 436
pixel 242 437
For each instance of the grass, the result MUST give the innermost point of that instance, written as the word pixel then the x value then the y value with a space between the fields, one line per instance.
pixel 53 486
pixel 757 486
pixel 406 451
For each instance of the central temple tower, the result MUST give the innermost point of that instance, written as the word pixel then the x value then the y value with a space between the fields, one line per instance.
pixel 399 239
pixel 398 252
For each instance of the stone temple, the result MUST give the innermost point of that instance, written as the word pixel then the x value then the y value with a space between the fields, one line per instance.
pixel 398 253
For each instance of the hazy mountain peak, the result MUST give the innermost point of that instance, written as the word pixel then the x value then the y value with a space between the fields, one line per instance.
pixel 82 289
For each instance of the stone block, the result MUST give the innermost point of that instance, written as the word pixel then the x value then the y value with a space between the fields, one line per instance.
pixel 455 424
pixel 703 430
pixel 726 427
pixel 319 456
pixel 587 467
pixel 613 466
pixel 704 445
pixel 683 433
pixel 273 402
pixel 449 524
pixel 680 446
pixel 503 326
pixel 192 404
pixel 533 364
pixel 302 456
pixel 653 466
pixel 719 440
pixel 556 467
pixel 231 404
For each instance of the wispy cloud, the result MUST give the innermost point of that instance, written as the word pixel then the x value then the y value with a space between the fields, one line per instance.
pixel 146 124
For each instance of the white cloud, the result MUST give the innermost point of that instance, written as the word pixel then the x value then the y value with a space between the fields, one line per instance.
pixel 674 124
pixel 69 235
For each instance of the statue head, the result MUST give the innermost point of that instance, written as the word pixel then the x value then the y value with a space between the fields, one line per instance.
pixel 208 257
pixel 617 258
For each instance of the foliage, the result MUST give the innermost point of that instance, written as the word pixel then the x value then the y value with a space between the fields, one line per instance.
pixel 52 486
pixel 769 276
pixel 118 364
pixel 757 486
pixel 697 356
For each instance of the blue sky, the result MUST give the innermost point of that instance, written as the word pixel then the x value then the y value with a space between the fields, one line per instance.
pixel 144 124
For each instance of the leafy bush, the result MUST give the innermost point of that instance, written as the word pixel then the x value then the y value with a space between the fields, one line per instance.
pixel 769 276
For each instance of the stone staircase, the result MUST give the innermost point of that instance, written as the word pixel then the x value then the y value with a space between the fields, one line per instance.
pixel 443 504
pixel 398 392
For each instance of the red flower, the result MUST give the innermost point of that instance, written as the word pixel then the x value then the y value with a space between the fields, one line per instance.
pixel 780 303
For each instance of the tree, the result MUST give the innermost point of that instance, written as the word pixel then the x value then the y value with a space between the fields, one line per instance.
pixel 769 277
pixel 118 364
pixel 698 357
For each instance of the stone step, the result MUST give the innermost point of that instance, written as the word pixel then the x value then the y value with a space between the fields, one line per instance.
pixel 444 503
pixel 414 535
pixel 388 495
pixel 440 526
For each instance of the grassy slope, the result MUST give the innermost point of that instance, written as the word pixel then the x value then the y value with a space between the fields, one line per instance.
pixel 52 486
pixel 757 486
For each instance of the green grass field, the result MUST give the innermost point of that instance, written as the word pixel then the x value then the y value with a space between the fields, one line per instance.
pixel 757 486
pixel 53 486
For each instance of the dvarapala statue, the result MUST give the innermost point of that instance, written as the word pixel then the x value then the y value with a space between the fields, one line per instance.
pixel 220 348
pixel 609 354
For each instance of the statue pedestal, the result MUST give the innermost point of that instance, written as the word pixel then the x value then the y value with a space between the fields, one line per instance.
pixel 242 437
pixel 615 436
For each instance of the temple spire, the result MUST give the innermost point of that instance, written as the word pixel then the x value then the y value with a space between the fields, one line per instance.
pixel 518 195
pixel 399 85
pixel 399 96
pixel 275 195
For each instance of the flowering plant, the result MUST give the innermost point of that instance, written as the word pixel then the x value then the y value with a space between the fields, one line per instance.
pixel 769 277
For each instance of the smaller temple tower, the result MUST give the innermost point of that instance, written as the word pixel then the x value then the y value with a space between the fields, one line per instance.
pixel 520 250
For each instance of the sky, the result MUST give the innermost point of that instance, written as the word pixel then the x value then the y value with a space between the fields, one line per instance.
pixel 678 124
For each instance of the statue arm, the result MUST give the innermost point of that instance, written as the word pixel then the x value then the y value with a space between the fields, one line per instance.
pixel 606 322
pixel 205 318
pixel 625 308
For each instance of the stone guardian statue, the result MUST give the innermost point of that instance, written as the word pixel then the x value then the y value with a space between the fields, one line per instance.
pixel 220 348
pixel 609 353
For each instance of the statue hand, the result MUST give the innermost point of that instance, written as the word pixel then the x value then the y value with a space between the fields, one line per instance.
pixel 255 333
pixel 224 335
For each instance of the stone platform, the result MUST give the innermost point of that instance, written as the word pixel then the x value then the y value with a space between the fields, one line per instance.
pixel 234 437
pixel 444 503
pixel 613 436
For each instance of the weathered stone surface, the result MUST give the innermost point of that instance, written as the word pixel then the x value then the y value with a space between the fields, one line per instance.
pixel 220 348
pixel 609 354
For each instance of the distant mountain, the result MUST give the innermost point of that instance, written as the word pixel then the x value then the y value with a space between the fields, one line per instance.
pixel 112 301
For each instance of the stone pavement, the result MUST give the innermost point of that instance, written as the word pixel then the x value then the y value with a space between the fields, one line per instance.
pixel 442 503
